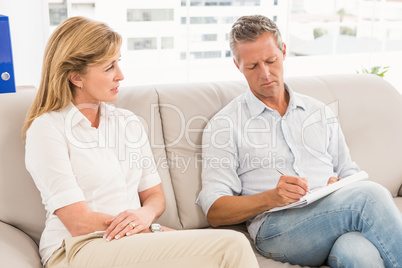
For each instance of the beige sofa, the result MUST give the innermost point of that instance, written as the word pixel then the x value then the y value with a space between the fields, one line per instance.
pixel 369 110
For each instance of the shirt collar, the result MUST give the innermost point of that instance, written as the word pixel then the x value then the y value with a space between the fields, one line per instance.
pixel 256 106
pixel 72 113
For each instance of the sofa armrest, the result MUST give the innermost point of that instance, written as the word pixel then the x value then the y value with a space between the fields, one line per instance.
pixel 17 249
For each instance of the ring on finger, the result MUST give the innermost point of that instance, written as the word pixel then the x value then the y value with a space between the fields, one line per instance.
pixel 132 224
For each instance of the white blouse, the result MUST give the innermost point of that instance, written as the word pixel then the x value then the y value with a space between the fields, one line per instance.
pixel 70 161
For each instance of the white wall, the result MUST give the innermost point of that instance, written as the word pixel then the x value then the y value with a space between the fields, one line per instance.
pixel 29 27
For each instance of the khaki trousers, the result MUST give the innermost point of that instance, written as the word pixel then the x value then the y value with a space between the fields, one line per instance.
pixel 190 248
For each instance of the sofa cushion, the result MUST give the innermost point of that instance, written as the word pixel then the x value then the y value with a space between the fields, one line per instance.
pixel 17 249
pixel 20 201
pixel 143 101
pixel 185 110
pixel 367 110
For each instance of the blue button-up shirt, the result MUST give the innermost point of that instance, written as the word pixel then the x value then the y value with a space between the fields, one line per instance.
pixel 247 141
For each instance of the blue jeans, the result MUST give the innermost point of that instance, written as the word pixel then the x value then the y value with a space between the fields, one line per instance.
pixel 322 231
pixel 344 253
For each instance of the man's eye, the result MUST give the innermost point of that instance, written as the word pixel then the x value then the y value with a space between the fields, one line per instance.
pixel 251 68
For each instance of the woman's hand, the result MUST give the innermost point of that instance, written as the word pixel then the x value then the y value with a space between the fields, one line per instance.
pixel 129 222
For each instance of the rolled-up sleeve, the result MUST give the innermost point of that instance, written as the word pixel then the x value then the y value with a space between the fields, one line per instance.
pixel 150 176
pixel 47 160
pixel 139 145
pixel 220 163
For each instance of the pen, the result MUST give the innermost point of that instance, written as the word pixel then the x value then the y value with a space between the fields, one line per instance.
pixel 281 172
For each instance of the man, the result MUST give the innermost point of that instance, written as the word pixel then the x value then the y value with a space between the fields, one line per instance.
pixel 270 127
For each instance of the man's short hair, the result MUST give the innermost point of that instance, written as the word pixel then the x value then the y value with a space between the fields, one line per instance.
pixel 250 28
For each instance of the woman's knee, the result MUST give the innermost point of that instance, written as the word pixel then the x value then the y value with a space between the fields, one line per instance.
pixel 237 249
pixel 234 239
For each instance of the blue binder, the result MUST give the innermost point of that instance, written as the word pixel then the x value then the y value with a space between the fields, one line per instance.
pixel 7 81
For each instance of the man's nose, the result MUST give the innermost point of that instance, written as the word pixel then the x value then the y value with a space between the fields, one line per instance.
pixel 265 73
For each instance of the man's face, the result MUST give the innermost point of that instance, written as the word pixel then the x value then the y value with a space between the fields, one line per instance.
pixel 261 62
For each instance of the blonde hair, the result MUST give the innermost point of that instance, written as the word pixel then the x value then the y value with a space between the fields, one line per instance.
pixel 76 44
pixel 249 29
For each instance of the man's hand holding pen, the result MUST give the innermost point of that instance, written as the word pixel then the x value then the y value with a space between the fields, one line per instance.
pixel 290 189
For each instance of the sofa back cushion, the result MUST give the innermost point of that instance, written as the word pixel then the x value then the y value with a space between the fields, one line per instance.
pixel 20 201
pixel 143 101
pixel 369 110
pixel 185 110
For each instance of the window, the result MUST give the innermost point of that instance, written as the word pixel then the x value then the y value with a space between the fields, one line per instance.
pixel 229 20
pixel 57 13
pixel 141 43
pixel 150 15
pixel 209 37
pixel 344 37
pixel 205 54
pixel 203 20
pixel 187 40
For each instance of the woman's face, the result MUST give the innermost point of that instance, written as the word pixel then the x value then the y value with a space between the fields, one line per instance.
pixel 101 83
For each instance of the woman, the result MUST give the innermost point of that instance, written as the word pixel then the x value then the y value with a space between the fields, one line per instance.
pixel 99 208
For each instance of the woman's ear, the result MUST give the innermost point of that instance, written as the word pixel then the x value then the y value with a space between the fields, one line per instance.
pixel 76 79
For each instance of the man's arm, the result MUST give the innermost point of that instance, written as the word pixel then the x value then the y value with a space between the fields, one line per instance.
pixel 228 210
pixel 221 196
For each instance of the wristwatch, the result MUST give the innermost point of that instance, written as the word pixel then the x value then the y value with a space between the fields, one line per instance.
pixel 155 228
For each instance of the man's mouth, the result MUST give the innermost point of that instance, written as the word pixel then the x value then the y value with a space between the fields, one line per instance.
pixel 267 83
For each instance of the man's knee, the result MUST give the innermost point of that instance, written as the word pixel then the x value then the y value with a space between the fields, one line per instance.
pixel 368 190
pixel 375 189
pixel 354 250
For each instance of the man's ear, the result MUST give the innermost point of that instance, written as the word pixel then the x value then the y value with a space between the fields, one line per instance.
pixel 237 65
pixel 76 79
pixel 284 51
